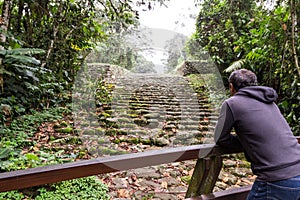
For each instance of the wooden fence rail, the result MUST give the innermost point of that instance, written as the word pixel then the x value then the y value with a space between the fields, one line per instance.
pixel 55 173
pixel 203 180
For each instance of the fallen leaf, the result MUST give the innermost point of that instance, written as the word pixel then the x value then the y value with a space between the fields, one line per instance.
pixel 122 193
pixel 166 174
pixel 164 184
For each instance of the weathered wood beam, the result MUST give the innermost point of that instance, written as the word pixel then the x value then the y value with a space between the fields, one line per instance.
pixel 55 173
pixel 230 194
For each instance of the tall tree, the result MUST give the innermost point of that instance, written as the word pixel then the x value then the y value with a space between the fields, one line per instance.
pixel 66 31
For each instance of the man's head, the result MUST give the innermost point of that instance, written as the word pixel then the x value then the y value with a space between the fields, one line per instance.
pixel 241 78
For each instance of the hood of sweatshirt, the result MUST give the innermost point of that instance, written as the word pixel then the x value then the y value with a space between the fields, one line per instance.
pixel 261 93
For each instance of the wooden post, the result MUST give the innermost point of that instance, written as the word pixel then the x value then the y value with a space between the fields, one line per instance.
pixel 205 176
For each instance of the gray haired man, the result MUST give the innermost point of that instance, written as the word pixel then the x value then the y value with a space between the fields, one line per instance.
pixel 263 134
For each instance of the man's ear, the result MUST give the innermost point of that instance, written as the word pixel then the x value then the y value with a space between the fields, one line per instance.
pixel 232 89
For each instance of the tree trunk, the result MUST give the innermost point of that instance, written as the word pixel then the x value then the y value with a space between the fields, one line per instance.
pixel 4 21
pixel 294 23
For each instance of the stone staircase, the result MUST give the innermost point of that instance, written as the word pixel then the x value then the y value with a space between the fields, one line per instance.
pixel 150 109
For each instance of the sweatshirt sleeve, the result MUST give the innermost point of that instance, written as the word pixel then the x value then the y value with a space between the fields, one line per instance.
pixel 222 135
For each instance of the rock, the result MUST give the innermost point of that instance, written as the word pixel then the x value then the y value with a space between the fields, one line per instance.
pixel 227 178
pixel 229 163
pixel 150 184
pixel 241 172
pixel 221 185
pixel 177 189
pixel 153 123
pixel 161 141
pixel 164 197
pixel 120 183
pixel 146 173
pixel 171 181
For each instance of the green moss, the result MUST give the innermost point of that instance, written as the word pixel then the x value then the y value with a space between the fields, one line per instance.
pixel 84 123
pixel 116 141
pixel 89 132
pixel 101 141
pixel 146 141
pixel 111 132
pixel 123 132
pixel 133 115
pixel 64 124
pixel 134 140
pixel 100 131
pixel 105 114
pixel 152 115
pixel 186 179
pixel 129 126
pixel 107 151
pixel 51 138
pixel 66 130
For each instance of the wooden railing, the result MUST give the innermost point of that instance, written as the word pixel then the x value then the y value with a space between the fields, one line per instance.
pixel 202 182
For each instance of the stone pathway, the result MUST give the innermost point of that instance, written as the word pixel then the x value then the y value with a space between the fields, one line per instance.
pixel 170 181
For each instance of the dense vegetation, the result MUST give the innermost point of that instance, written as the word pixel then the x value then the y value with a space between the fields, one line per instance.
pixel 256 35
pixel 45 43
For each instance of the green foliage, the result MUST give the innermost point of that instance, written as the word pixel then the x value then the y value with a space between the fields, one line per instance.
pixel 23 85
pixel 19 65
pixel 176 51
pixel 198 83
pixel 16 137
pixel 239 34
pixel 103 93
pixel 15 56
pixel 236 65
pixel 123 49
pixel 64 31
pixel 83 188
pixel 267 51
pixel 14 155
pixel 218 25
pixel 142 65
pixel 12 195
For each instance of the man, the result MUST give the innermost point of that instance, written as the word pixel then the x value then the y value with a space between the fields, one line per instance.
pixel 263 134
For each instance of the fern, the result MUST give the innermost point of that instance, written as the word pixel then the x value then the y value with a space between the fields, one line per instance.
pixel 236 65
pixel 10 59
pixel 22 51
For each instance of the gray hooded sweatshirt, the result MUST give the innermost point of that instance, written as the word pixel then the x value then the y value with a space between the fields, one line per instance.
pixel 261 132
